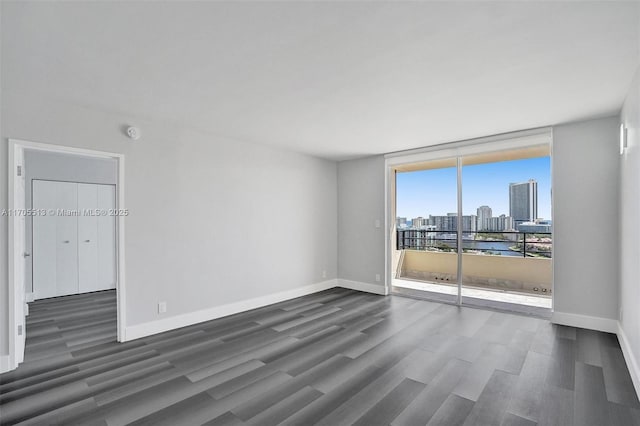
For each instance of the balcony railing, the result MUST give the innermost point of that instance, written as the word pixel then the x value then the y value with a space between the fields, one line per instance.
pixel 510 243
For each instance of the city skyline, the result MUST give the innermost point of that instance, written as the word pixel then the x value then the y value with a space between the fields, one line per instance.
pixel 434 192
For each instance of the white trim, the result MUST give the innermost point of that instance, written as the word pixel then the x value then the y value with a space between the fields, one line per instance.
pixel 12 323
pixel 366 287
pixel 4 364
pixel 584 321
pixel 183 320
pixel 18 144
pixel 389 225
pixel 30 297
pixel 631 360
pixel 40 146
pixel 121 294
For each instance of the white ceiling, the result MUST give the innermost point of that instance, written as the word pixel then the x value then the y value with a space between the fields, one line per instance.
pixel 336 80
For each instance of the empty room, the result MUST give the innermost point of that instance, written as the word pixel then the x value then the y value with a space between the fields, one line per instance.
pixel 320 213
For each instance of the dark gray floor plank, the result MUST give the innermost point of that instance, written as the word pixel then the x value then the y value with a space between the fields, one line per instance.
pixel 226 419
pixel 286 407
pixel 526 400
pixel 392 404
pixel 492 404
pixel 561 371
pixel 623 415
pixel 493 357
pixel 544 339
pixel 588 347
pixel 319 408
pixel 558 407
pixel 513 420
pixel 453 412
pixel 179 413
pixel 617 380
pixel 61 415
pixel 425 405
pixel 356 406
pixel 257 405
pixel 591 406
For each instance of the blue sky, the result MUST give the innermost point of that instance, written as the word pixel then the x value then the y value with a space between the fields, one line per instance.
pixel 434 191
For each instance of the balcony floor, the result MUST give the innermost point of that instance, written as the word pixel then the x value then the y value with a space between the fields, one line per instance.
pixel 476 293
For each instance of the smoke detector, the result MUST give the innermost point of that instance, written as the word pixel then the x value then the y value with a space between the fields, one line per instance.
pixel 133 133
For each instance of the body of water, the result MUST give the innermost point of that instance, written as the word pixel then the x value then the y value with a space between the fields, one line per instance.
pixel 492 246
pixel 495 246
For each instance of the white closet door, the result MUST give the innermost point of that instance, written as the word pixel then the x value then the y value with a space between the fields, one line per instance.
pixel 74 252
pixel 67 242
pixel 45 240
pixel 106 238
pixel 87 238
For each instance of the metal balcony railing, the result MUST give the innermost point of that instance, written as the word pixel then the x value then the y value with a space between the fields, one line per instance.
pixel 513 243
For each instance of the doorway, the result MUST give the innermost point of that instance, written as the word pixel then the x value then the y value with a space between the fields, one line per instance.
pixel 69 165
pixel 465 225
pixel 73 251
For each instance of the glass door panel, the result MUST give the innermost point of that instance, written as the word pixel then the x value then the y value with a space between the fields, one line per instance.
pixel 426 232
pixel 507 237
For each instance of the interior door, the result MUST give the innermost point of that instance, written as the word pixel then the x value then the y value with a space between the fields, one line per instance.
pixel 55 239
pixel 88 238
pixel 44 252
pixel 67 239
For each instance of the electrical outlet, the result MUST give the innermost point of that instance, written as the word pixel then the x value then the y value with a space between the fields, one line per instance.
pixel 162 307
pixel 324 273
pixel 378 278
pixel 377 223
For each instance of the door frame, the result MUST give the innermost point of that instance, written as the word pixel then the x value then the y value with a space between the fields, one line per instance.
pixel 16 149
pixel 505 141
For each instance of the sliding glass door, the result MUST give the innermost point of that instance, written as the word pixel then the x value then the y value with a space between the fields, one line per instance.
pixel 475 228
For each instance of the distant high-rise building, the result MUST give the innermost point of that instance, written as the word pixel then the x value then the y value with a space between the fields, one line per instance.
pixel 469 223
pixel 484 213
pixel 418 222
pixel 449 223
pixel 523 201
pixel 500 223
pixel 401 222
pixel 444 223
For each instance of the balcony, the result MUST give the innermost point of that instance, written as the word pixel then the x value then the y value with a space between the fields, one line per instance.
pixel 515 267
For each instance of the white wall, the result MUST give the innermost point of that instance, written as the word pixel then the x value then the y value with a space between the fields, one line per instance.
pixel 361 202
pixel 585 212
pixel 212 222
pixel 70 168
pixel 630 230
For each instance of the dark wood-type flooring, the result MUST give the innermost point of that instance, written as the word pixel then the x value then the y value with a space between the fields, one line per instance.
pixel 338 357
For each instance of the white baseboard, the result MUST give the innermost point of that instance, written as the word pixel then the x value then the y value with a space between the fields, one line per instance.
pixel 360 286
pixel 178 321
pixel 632 363
pixel 4 363
pixel 584 321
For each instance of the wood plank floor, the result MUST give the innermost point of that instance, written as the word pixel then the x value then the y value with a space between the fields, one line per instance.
pixel 338 357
